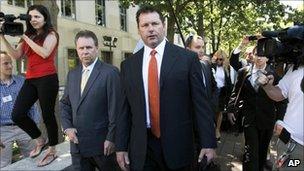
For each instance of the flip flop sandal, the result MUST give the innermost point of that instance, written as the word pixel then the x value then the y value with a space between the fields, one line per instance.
pixel 53 155
pixel 39 152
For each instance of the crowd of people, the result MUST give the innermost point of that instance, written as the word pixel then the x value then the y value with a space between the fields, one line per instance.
pixel 162 111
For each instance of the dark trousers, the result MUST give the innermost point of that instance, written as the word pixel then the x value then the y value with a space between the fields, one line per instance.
pixel 44 89
pixel 155 158
pixel 100 162
pixel 256 146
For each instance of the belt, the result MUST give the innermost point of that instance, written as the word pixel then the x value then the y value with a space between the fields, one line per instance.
pixel 8 124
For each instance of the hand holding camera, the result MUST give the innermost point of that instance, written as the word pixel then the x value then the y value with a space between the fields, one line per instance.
pixel 263 79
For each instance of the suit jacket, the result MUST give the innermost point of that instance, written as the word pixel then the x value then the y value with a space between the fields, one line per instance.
pixel 210 84
pixel 226 90
pixel 210 80
pixel 258 109
pixel 182 102
pixel 93 114
pixel 235 62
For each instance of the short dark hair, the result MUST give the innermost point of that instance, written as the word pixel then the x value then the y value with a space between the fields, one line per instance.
pixel 148 9
pixel 86 34
pixel 190 39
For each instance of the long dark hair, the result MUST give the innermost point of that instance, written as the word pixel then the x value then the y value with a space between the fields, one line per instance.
pixel 47 27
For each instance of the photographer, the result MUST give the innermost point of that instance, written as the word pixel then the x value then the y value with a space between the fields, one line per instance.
pixel 39 44
pixel 259 111
pixel 290 130
pixel 234 60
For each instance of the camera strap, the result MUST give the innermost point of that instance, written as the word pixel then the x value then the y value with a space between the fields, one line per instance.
pixel 239 91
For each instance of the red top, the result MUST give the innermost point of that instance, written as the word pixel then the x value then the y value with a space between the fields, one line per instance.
pixel 36 65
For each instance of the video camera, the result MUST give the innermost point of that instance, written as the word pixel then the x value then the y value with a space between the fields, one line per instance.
pixel 287 48
pixel 9 27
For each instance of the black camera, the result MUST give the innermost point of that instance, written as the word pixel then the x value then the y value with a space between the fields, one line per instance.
pixel 284 46
pixel 251 38
pixel 9 27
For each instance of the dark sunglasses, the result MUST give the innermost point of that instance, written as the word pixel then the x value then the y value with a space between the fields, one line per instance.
pixel 219 59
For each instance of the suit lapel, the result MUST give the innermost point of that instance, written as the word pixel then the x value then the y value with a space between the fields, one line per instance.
pixel 138 77
pixel 169 59
pixel 78 81
pixel 91 80
pixel 248 77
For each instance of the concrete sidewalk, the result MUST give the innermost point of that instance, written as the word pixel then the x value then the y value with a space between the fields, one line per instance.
pixel 62 162
pixel 229 155
pixel 230 151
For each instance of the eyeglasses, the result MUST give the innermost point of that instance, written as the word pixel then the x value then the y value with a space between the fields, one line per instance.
pixel 219 59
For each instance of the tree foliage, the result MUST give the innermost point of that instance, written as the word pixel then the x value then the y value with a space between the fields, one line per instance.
pixel 223 22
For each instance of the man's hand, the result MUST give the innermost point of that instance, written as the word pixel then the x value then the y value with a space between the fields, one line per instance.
pixel 277 129
pixel 71 133
pixel 245 41
pixel 109 148
pixel 231 118
pixel 123 160
pixel 266 80
pixel 208 152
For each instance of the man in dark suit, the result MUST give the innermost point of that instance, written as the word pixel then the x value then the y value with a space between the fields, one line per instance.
pixel 163 97
pixel 89 107
pixel 196 44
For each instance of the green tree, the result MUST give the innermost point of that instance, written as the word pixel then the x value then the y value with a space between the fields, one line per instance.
pixel 223 22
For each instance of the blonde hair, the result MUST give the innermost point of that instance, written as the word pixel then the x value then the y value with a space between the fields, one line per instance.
pixel 224 55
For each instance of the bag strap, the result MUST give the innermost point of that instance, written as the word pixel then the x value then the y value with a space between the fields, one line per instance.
pixel 239 92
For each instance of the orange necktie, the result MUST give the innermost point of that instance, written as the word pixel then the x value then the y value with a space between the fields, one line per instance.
pixel 153 90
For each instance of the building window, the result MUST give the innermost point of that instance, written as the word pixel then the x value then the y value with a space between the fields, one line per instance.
pixel 73 59
pixel 20 3
pixel 123 18
pixel 107 57
pixel 68 8
pixel 127 55
pixel 100 12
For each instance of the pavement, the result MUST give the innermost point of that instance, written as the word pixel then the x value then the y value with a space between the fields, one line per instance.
pixel 229 155
pixel 62 162
pixel 230 151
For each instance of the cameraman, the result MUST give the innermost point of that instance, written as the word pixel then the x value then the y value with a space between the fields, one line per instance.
pixel 290 130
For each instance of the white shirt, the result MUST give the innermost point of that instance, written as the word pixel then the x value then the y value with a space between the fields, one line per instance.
pixel 220 76
pixel 204 79
pixel 90 67
pixel 254 74
pixel 146 59
pixel 293 119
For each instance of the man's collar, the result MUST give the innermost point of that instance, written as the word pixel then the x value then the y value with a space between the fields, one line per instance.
pixel 159 48
pixel 254 69
pixel 91 66
pixel 11 81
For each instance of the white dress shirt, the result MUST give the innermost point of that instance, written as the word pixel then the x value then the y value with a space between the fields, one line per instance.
pixel 254 76
pixel 146 59
pixel 90 67
pixel 220 76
